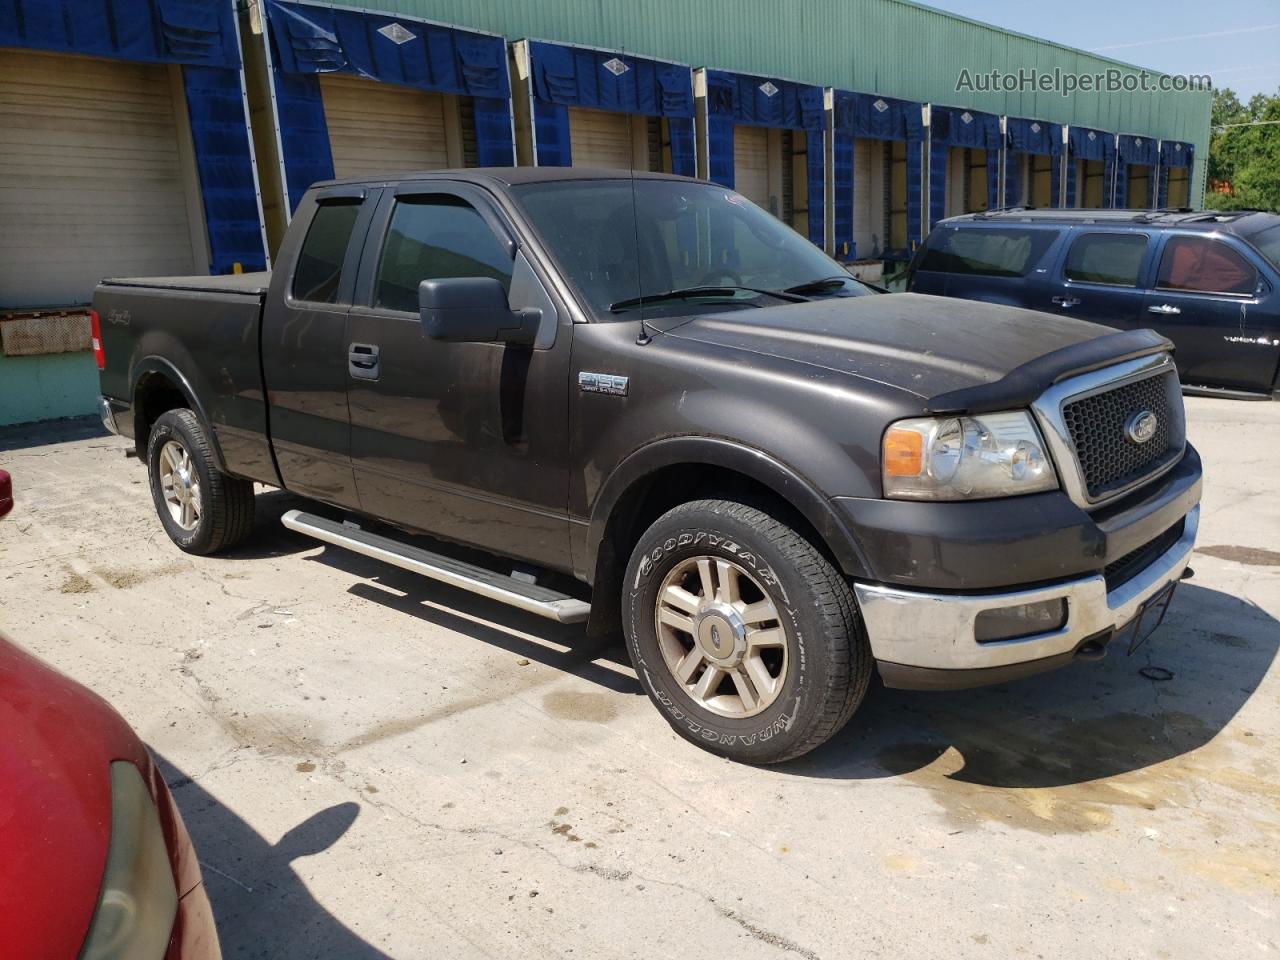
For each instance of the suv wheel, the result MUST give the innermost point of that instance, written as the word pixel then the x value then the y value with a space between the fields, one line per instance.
pixel 202 509
pixel 742 632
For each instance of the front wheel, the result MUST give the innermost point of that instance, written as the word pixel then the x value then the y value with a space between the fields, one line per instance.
pixel 202 509
pixel 743 633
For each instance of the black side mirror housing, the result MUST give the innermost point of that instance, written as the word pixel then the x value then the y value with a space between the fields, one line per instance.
pixel 473 310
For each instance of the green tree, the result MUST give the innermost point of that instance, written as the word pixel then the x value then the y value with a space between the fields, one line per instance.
pixel 1245 157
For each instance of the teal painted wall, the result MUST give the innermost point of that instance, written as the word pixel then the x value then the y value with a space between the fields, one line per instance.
pixel 46 387
pixel 892 47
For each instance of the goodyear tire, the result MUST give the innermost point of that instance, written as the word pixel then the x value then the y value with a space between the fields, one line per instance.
pixel 202 509
pixel 743 634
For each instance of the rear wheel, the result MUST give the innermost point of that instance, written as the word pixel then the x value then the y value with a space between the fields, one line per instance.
pixel 202 509
pixel 742 632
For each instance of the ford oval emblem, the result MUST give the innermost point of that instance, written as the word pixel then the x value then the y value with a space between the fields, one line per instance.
pixel 1142 426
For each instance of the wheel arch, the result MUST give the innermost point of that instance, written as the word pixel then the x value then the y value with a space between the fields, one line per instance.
pixel 158 387
pixel 678 469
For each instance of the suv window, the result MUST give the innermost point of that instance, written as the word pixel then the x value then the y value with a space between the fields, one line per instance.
pixel 987 251
pixel 319 271
pixel 433 238
pixel 1205 265
pixel 1113 258
pixel 1267 242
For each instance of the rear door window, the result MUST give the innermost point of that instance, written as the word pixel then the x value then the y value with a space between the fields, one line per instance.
pixel 1205 265
pixel 318 275
pixel 988 251
pixel 434 238
pixel 1110 258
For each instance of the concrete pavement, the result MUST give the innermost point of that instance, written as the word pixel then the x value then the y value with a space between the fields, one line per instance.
pixel 373 765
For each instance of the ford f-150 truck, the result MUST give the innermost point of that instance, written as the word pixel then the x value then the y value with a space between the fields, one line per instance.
pixel 644 403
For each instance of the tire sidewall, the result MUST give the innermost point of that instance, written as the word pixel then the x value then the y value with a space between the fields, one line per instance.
pixel 773 732
pixel 169 426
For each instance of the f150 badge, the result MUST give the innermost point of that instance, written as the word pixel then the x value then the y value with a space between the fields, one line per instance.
pixel 610 383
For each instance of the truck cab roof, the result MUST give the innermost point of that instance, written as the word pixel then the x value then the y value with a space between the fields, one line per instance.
pixel 509 176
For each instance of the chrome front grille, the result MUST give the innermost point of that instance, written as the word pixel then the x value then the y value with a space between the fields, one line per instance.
pixel 1086 419
pixel 1109 459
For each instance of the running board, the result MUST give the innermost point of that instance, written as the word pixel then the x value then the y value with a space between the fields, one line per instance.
pixel 465 576
pixel 1192 390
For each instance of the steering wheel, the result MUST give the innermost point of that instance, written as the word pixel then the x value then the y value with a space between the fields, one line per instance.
pixel 715 278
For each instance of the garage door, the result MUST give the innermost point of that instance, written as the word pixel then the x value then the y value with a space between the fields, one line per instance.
pixel 93 179
pixel 751 164
pixel 376 128
pixel 600 138
pixel 868 221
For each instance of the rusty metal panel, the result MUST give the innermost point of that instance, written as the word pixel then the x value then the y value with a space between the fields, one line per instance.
pixel 35 334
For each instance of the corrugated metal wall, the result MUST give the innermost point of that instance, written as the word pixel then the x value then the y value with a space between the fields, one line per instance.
pixel 891 47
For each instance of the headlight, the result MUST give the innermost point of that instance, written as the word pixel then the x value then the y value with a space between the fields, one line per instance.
pixel 138 901
pixel 965 458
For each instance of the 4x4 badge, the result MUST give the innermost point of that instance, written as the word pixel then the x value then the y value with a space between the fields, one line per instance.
pixel 1141 426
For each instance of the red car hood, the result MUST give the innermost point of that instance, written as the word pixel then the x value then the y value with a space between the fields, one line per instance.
pixel 57 741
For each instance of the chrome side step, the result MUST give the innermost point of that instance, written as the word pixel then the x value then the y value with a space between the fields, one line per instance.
pixel 465 576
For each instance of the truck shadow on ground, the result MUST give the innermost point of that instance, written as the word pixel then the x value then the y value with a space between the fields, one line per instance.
pixel 262 906
pixel 1085 723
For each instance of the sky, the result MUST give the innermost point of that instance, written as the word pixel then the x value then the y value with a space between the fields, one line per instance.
pixel 1237 42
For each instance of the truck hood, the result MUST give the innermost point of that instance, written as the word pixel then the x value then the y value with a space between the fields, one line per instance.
pixel 952 353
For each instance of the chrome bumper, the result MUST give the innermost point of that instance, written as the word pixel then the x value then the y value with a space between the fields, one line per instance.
pixel 107 415
pixel 936 631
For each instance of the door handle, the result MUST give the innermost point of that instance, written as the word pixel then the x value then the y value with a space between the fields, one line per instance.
pixel 362 361
pixel 1066 302
pixel 1164 309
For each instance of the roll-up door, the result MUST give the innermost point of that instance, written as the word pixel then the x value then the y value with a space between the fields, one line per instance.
pixel 868 217
pixel 751 163
pixel 96 177
pixel 601 138
pixel 377 128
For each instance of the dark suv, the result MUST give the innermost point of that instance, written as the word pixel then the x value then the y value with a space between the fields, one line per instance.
pixel 1210 282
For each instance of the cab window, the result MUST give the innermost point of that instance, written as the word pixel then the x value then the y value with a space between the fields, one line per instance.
pixel 434 238
pixel 1205 265
pixel 1110 258
pixel 318 275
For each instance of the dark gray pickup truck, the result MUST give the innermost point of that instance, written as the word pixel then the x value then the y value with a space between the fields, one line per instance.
pixel 644 403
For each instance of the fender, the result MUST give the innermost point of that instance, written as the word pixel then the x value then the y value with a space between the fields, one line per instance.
pixel 714 451
pixel 155 364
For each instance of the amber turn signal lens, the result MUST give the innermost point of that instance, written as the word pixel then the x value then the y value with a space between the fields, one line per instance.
pixel 903 453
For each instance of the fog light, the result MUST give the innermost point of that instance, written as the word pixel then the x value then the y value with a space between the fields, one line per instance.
pixel 1022 620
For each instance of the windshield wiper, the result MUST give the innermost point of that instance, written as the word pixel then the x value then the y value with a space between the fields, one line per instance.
pixel 815 286
pixel 693 293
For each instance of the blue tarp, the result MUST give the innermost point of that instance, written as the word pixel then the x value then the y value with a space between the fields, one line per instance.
pixel 1173 153
pixel 307 40
pixel 1088 144
pixel 565 76
pixel 871 117
pixel 1034 138
pixel 737 98
pixel 195 32
pixel 955 127
pixel 200 35
pixel 1141 150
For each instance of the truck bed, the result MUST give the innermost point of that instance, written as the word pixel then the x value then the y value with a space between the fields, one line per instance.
pixel 197 336
pixel 249 283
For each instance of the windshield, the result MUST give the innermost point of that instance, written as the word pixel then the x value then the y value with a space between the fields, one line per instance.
pixel 1267 242
pixel 624 243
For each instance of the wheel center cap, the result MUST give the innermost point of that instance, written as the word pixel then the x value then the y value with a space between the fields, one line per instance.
pixel 722 637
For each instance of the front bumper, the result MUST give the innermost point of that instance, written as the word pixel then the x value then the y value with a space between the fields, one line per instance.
pixel 927 640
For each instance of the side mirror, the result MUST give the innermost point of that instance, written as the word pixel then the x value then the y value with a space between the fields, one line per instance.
pixel 473 310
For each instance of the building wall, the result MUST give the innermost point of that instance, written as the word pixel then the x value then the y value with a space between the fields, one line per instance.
pixel 47 387
pixel 891 47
